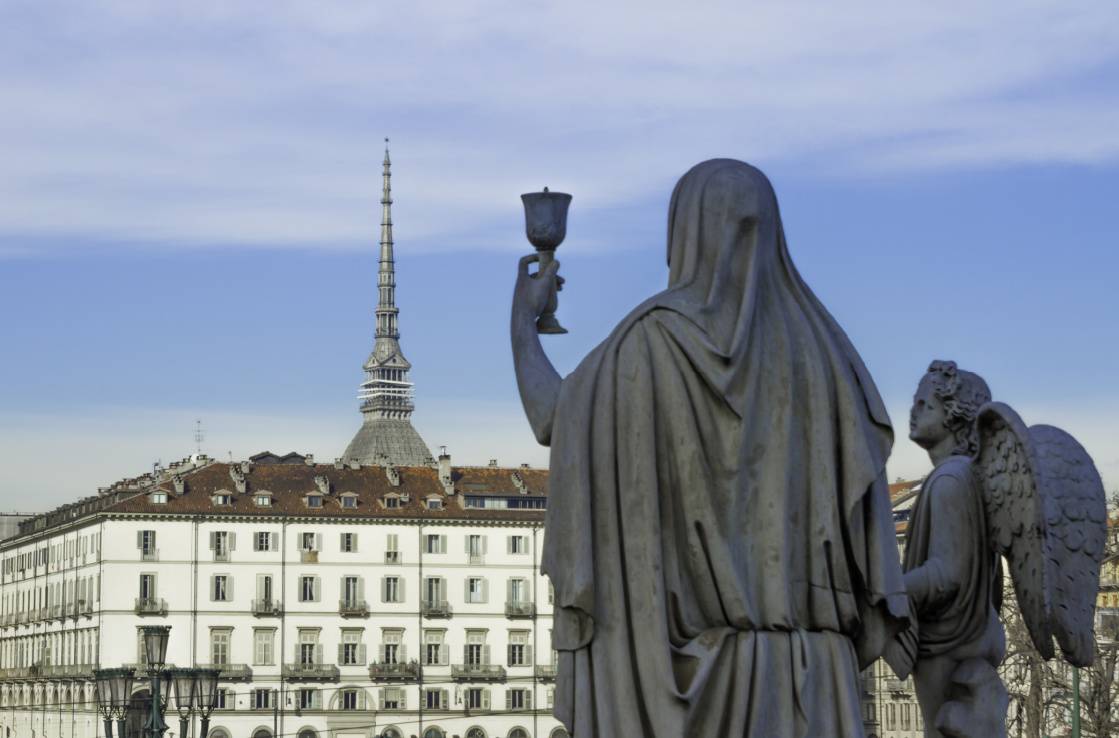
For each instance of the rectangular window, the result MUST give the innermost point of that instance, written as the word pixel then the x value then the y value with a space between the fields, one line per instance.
pixel 308 647
pixel 476 590
pixel 392 698
pixel 518 544
pixel 307 589
pixel 475 548
pixel 351 651
pixel 391 589
pixel 220 702
pixel 435 652
pixel 519 648
pixel 219 646
pixel 221 543
pixel 518 699
pixel 349 502
pixel 477 698
pixel 435 543
pixel 518 591
pixel 262 699
pixel 262 541
pixel 309 699
pixel 391 648
pixel 349 542
pixel 349 699
pixel 476 653
pixel 145 541
pixel 147 587
pixel 351 591
pixel 314 501
pixel 435 699
pixel 263 643
pixel 307 542
pixel 220 589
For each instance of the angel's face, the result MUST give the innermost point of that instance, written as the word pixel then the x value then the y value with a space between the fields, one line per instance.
pixel 927 417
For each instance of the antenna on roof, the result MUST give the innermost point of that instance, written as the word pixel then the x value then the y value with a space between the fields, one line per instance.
pixel 199 435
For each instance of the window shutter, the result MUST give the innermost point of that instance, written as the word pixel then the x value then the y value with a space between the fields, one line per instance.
pixel 528 654
pixel 509 659
pixel 341 541
pixel 485 590
pixel 317 589
pixel 466 654
pixel 443 543
pixel 341 648
pixel 508 550
pixel 444 654
pixel 466 545
pixel 384 589
pixel 508 699
pixel 400 589
pixel 318 541
pixel 486 654
pixel 229 587
pixel 509 590
pixel 403 653
pixel 212 586
pixel 528 699
pixel 485 544
pixel 381 697
pixel 213 540
pixel 361 654
pixel 485 699
pixel 273 542
pixel 361 589
pixel 232 540
pixel 444 699
pixel 139 539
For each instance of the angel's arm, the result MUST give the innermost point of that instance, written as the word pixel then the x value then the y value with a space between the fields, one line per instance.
pixel 951 531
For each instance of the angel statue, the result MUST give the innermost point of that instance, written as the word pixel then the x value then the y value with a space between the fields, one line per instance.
pixel 999 489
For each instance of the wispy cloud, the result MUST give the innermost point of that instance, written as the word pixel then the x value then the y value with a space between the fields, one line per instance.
pixel 194 123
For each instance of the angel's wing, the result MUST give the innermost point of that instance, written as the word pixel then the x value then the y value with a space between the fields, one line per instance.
pixel 1046 513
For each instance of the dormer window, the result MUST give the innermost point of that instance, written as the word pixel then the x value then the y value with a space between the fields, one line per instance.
pixel 314 501
pixel 262 500
pixel 349 501
pixel 159 498
pixel 392 502
pixel 222 498
pixel 434 503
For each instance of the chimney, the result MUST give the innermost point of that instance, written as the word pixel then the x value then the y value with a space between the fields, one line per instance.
pixel 309 459
pixel 493 463
pixel 445 477
pixel 339 464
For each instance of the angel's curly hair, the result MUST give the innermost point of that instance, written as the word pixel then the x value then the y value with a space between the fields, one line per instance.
pixel 962 393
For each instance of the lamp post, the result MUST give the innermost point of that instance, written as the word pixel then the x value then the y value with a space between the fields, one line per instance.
pixel 114 689
pixel 154 638
pixel 207 691
pixel 185 686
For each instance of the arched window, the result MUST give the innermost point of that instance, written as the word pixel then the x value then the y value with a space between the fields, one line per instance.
pixel 262 733
pixel 219 733
pixel 560 733
pixel 434 733
pixel 475 732
pixel 518 733
pixel 391 732
pixel 307 733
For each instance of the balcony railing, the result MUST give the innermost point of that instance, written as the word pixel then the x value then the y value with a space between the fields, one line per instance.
pixel 435 609
pixel 394 672
pixel 392 557
pixel 353 608
pixel 151 606
pixel 516 610
pixel 150 554
pixel 267 608
pixel 221 556
pixel 897 685
pixel 308 672
pixel 546 672
pixel 308 557
pixel 231 672
pixel 478 672
pixel 476 559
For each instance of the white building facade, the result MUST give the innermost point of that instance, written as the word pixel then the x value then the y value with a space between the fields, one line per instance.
pixel 338 600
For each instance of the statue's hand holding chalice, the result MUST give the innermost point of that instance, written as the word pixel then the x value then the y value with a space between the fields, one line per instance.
pixel 545 226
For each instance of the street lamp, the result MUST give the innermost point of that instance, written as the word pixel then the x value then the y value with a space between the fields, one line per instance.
pixel 114 690
pixel 207 696
pixel 154 638
pixel 185 684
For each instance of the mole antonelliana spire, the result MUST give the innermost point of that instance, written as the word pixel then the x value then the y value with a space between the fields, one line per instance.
pixel 386 435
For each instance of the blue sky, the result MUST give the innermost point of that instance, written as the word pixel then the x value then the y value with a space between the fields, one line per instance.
pixel 189 206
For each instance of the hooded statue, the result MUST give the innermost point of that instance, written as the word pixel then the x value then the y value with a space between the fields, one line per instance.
pixel 719 533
